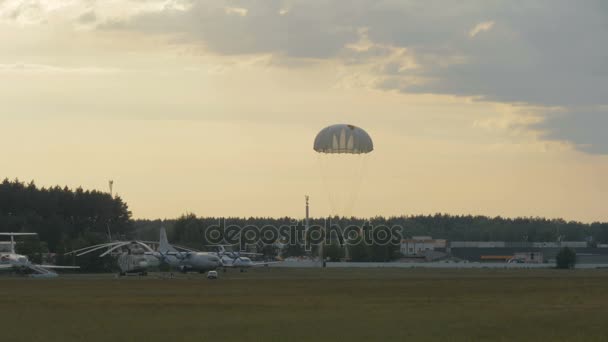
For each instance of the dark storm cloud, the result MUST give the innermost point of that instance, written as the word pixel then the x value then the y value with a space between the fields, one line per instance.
pixel 542 52
pixel 548 55
pixel 585 128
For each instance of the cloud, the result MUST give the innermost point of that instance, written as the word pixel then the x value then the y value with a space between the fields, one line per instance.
pixel 43 68
pixel 586 128
pixel 532 56
pixel 535 52
pixel 481 27
pixel 240 11
pixel 22 12
pixel 248 27
pixel 87 17
pixel 78 12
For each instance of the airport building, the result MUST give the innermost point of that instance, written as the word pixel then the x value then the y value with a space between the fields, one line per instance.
pixel 419 245
pixel 527 252
pixel 426 248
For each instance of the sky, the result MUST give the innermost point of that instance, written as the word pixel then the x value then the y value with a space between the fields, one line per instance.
pixel 211 107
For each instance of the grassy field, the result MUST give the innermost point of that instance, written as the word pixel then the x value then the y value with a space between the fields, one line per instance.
pixel 311 304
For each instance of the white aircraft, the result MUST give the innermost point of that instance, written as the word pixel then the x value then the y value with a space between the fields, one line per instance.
pixel 134 257
pixel 186 260
pixel 21 264
pixel 232 259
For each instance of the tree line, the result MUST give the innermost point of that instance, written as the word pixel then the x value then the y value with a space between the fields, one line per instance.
pixel 190 230
pixel 439 226
pixel 67 219
pixel 64 218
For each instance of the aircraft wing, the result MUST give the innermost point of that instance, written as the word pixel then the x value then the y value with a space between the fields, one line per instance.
pixel 176 253
pixel 46 271
pixel 17 234
pixel 187 249
pixel 40 271
pixel 257 264
pixel 59 267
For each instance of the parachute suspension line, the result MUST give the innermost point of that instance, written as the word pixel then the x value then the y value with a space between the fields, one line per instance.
pixel 360 171
pixel 342 176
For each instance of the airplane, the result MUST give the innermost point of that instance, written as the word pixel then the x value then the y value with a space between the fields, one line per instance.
pixel 21 264
pixel 231 259
pixel 133 257
pixel 186 260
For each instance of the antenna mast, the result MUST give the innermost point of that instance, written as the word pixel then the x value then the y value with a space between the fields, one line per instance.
pixel 307 213
pixel 111 185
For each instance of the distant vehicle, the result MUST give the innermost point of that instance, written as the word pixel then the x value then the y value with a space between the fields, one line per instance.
pixel 21 264
pixel 212 275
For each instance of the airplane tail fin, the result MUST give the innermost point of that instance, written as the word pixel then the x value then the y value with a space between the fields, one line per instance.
pixel 164 245
pixel 12 235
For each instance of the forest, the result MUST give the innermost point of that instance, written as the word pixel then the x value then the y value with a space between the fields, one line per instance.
pixel 66 219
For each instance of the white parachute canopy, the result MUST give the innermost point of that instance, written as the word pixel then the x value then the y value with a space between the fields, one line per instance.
pixel 342 151
pixel 343 139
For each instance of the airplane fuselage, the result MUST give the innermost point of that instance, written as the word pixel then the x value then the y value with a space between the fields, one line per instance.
pixel 136 263
pixel 241 262
pixel 20 263
pixel 16 260
pixel 194 262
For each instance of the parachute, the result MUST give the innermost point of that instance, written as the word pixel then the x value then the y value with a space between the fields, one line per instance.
pixel 343 139
pixel 342 151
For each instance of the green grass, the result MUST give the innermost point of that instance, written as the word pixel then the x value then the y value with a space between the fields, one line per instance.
pixel 311 304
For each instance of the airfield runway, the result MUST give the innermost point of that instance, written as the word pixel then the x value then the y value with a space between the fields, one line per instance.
pixel 274 304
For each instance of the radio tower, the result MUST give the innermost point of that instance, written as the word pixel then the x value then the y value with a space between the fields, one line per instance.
pixel 307 213
pixel 111 185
